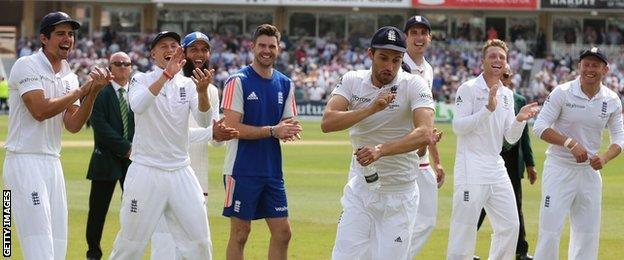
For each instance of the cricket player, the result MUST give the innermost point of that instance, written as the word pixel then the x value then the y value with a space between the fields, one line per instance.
pixel 389 114
pixel 572 120
pixel 197 52
pixel 418 32
pixel 44 97
pixel 160 182
pixel 259 102
pixel 484 116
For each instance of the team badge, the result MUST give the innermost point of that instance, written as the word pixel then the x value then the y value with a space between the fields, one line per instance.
pixel 603 110
pixel 280 97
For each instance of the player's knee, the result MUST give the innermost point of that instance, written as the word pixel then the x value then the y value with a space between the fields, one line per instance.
pixel 282 235
pixel 241 233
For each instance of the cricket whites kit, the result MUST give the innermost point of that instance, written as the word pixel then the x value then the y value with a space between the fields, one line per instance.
pixel 426 179
pixel 32 169
pixel 253 177
pixel 163 244
pixel 481 179
pixel 568 187
pixel 378 224
pixel 160 182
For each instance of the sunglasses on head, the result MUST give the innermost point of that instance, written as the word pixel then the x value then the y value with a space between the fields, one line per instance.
pixel 121 63
pixel 506 75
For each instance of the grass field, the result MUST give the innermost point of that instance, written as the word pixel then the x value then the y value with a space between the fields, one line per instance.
pixel 316 172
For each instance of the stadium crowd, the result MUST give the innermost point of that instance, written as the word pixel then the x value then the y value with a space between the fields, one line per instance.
pixel 315 65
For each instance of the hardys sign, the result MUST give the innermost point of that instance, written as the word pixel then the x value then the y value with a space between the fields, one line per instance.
pixel 583 4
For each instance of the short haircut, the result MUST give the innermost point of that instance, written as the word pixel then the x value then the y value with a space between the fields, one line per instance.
pixel 268 30
pixel 494 43
pixel 47 32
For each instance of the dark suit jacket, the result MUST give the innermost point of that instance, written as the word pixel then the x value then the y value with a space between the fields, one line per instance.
pixel 108 162
pixel 520 154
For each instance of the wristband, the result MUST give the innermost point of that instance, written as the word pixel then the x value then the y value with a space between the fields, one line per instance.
pixel 567 142
pixel 167 74
pixel 271 132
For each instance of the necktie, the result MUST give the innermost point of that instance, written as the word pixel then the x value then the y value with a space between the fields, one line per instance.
pixel 123 107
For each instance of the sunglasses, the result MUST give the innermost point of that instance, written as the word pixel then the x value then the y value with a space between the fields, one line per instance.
pixel 121 63
pixel 506 75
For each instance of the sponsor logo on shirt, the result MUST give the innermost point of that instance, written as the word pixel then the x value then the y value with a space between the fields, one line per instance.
pixel 426 95
pixel 29 79
pixel 252 96
pixel 280 97
pixel 458 100
pixel 572 105
pixel 356 99
pixel 482 98
pixel 398 240
pixel 339 82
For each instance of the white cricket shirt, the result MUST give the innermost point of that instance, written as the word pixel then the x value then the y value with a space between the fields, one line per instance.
pixel 26 134
pixel 390 124
pixel 571 113
pixel 161 137
pixel 426 71
pixel 480 133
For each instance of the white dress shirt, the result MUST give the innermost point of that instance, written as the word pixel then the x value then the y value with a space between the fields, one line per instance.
pixel 571 113
pixel 480 133
pixel 161 136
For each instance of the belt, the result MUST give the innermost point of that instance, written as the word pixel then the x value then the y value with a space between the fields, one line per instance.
pixel 423 165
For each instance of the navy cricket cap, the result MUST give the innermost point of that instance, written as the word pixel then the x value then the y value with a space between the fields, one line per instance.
pixel 417 20
pixel 389 38
pixel 193 37
pixel 162 35
pixel 594 51
pixel 56 18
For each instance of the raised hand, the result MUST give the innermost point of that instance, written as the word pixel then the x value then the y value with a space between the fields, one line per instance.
pixel 99 79
pixel 202 79
pixel 367 155
pixel 220 132
pixel 528 111
pixel 491 105
pixel 177 61
pixel 287 129
pixel 382 101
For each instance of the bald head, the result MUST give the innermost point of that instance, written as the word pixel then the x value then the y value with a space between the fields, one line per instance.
pixel 121 67
pixel 506 77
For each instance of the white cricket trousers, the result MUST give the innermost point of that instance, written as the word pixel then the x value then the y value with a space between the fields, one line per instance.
pixel 499 203
pixel 163 245
pixel 39 204
pixel 375 224
pixel 427 209
pixel 151 194
pixel 573 190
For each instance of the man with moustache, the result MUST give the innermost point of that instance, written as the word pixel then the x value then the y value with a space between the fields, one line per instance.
pixel 389 114
pixel 113 128
pixel 259 102
pixel 44 97
pixel 197 52
pixel 418 32
pixel 571 121
pixel 160 182
pixel 484 116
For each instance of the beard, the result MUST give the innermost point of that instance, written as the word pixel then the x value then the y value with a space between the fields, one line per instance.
pixel 190 66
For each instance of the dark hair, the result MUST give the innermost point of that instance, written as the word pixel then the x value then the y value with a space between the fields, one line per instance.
pixel 268 30
pixel 47 32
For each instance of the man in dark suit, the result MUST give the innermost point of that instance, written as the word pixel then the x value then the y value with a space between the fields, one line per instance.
pixel 516 157
pixel 113 128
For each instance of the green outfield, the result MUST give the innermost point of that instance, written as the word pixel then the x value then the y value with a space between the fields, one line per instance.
pixel 316 171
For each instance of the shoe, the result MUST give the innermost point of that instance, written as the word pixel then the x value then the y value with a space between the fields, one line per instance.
pixel 524 257
pixel 476 257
